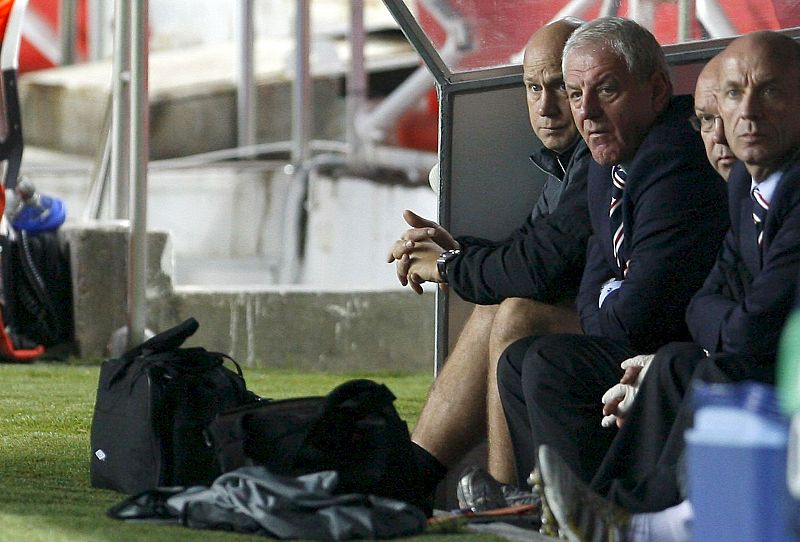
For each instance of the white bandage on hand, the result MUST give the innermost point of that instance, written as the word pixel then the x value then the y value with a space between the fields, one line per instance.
pixel 642 360
pixel 626 393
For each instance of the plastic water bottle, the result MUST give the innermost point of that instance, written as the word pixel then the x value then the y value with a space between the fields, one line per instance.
pixel 788 381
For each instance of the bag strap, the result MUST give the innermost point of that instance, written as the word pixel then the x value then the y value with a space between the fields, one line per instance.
pixel 165 341
pixel 235 363
pixel 195 360
pixel 178 361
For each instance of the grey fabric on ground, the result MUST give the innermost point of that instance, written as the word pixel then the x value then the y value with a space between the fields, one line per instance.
pixel 253 500
pixel 304 507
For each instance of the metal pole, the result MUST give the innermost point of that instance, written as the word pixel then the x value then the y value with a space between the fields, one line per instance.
pixel 685 16
pixel 120 111
pixel 301 91
pixel 137 250
pixel 246 89
pixel 301 134
pixel 356 80
pixel 97 13
pixel 713 18
pixel 67 15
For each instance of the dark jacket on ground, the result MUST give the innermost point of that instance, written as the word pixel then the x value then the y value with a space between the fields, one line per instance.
pixel 674 215
pixel 544 259
pixel 719 317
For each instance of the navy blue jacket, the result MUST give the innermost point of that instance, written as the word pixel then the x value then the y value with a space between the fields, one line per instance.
pixel 542 260
pixel 745 302
pixel 675 215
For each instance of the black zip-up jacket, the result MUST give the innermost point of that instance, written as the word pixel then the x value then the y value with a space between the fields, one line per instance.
pixel 544 259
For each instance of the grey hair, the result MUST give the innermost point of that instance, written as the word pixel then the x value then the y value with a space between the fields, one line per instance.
pixel 633 44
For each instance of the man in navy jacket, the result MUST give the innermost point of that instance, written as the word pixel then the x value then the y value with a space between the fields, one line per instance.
pixel 736 317
pixel 651 248
pixel 739 313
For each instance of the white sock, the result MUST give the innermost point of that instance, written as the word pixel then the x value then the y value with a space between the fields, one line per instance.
pixel 670 525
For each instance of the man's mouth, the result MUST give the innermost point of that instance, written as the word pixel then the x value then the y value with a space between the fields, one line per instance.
pixel 751 137
pixel 594 134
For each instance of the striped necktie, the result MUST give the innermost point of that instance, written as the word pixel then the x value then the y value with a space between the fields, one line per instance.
pixel 618 176
pixel 760 208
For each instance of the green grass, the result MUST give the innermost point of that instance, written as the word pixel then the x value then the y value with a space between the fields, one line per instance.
pixel 45 417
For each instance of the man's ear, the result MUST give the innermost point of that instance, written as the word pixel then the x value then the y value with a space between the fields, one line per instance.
pixel 662 90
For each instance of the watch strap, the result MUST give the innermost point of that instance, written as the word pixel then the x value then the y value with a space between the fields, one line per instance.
pixel 443 260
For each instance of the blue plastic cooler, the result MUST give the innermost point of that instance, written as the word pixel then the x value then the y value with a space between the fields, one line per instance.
pixel 736 461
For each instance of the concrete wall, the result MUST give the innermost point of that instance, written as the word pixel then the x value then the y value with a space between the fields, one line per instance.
pixel 310 330
pixel 298 328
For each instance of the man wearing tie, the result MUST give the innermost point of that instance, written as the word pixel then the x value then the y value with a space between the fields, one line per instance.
pixel 658 212
pixel 738 314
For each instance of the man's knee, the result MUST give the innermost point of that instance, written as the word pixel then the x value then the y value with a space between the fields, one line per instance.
pixel 729 368
pixel 473 337
pixel 545 360
pixel 517 317
pixel 530 362
pixel 681 352
pixel 510 364
pixel 479 322
pixel 485 313
pixel 676 362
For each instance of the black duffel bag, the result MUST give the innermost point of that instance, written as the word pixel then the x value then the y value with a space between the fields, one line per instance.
pixel 355 430
pixel 38 289
pixel 152 407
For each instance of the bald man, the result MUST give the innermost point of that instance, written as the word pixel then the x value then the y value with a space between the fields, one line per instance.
pixel 524 285
pixel 738 314
pixel 707 120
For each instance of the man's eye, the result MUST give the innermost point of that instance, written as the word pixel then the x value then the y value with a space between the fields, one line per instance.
pixel 707 122
pixel 533 87
pixel 769 92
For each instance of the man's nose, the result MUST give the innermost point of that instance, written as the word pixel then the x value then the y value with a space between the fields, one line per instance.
pixel 590 106
pixel 750 106
pixel 547 103
pixel 718 133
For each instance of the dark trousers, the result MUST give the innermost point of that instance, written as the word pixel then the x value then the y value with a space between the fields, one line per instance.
pixel 550 388
pixel 639 470
pixel 642 469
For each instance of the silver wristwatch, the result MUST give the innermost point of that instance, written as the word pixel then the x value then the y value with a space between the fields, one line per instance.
pixel 443 260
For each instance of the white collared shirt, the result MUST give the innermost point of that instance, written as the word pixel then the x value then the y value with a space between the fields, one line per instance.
pixel 767 187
